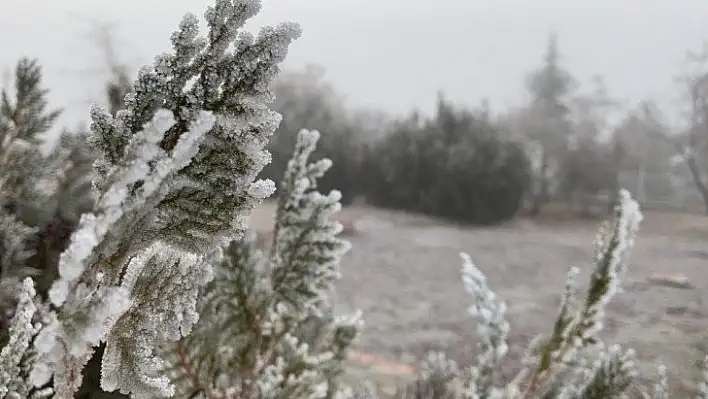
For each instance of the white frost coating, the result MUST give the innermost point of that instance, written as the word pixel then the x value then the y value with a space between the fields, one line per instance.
pixel 703 385
pixel 21 332
pixel 286 288
pixel 177 204
pixel 261 189
pixel 188 144
pixel 492 326
pixel 92 229
pixel 613 246
pixel 179 275
pixel 109 303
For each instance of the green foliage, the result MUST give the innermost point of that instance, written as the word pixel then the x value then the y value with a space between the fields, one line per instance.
pixel 26 186
pixel 174 182
pixel 454 165
pixel 23 120
pixel 266 326
pixel 25 116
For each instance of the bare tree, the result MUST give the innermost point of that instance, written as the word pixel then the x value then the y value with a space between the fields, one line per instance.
pixel 692 144
pixel 694 150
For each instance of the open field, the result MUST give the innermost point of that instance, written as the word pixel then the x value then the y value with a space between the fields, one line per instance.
pixel 404 274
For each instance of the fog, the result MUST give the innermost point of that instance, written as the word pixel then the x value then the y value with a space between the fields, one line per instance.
pixel 389 54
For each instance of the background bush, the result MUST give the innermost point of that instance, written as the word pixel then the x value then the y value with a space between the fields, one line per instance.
pixel 454 165
pixel 307 101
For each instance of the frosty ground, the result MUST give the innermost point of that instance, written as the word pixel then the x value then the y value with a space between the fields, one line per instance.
pixel 403 272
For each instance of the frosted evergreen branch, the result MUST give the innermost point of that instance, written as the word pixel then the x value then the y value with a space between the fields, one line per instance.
pixel 17 353
pixel 614 242
pixel 87 289
pixel 435 380
pixel 167 280
pixel 14 252
pixel 202 74
pixel 609 375
pixel 703 384
pixel 24 116
pixel 560 347
pixel 661 387
pixel 613 250
pixel 492 327
pixel 305 253
pixel 266 327
pixel 175 175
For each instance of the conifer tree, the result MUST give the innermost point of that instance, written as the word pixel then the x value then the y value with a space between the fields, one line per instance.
pixel 549 87
pixel 266 326
pixel 174 183
pixel 16 355
pixel 24 119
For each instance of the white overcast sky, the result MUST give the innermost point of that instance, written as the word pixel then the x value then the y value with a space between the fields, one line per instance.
pixel 392 54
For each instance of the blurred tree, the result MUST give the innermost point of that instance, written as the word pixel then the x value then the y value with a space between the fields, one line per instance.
pixel 646 155
pixel 454 165
pixel 307 101
pixel 692 145
pixel 590 165
pixel 24 187
pixel 549 124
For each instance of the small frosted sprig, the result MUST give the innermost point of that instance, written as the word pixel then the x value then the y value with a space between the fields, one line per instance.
pixel 613 249
pixel 703 385
pixel 609 375
pixel 556 347
pixel 661 387
pixel 13 381
pixel 574 331
pixel 435 379
pixel 492 326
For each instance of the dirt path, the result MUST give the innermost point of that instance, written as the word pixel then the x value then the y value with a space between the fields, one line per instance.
pixel 404 274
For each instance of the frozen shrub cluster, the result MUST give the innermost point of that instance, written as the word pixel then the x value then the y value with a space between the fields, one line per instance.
pixel 161 270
